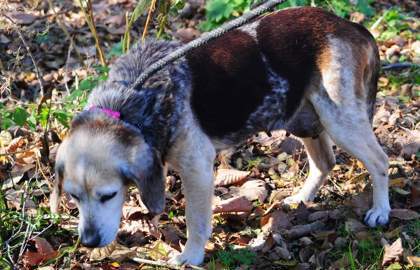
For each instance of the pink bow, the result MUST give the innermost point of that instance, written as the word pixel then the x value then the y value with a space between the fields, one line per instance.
pixel 109 112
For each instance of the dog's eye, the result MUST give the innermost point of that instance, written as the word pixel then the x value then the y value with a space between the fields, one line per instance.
pixel 74 197
pixel 108 197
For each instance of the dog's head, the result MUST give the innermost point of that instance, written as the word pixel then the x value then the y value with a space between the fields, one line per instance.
pixel 95 163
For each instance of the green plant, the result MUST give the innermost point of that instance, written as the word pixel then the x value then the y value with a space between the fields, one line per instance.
pixel 394 24
pixel 369 252
pixel 234 257
pixel 219 11
pixel 165 8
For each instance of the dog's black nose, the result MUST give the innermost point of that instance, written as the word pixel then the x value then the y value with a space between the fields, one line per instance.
pixel 90 238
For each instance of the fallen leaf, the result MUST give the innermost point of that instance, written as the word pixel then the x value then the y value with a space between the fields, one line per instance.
pixel 354 226
pixel 187 34
pixel 404 214
pixel 43 253
pixel 235 204
pixel 398 182
pixel 161 251
pixel 305 229
pixel 254 189
pixel 414 260
pixel 225 177
pixel 275 221
pixel 23 18
pixel 392 252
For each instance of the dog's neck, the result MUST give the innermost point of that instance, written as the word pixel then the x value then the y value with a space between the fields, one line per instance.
pixel 155 108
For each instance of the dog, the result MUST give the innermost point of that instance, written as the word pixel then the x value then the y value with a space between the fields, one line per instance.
pixel 304 70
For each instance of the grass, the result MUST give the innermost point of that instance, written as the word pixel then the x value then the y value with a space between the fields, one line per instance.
pixel 231 258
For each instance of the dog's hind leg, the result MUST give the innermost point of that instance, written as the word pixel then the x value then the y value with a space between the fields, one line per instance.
pixel 321 161
pixel 349 127
pixel 194 158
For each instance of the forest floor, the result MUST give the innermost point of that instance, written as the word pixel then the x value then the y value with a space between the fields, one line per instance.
pixel 48 65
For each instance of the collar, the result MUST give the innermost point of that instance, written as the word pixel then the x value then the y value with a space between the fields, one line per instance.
pixel 109 112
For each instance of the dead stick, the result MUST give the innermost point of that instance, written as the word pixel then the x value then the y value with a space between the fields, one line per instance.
pixel 149 16
pixel 165 264
pixel 65 31
pixel 37 71
pixel 301 230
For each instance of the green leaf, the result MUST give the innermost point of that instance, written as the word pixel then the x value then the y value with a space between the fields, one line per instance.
pixel 43 116
pixel 19 116
pixel 62 117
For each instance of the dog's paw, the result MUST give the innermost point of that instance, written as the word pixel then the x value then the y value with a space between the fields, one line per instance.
pixel 377 216
pixel 193 258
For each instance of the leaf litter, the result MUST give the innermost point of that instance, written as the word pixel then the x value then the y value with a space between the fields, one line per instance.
pixel 248 210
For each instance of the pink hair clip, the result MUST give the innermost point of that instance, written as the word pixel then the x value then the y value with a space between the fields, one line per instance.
pixel 109 112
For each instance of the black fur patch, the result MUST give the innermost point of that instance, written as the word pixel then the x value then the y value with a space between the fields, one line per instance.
pixel 229 80
pixel 294 39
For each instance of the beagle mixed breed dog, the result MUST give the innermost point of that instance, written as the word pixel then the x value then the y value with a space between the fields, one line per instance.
pixel 301 69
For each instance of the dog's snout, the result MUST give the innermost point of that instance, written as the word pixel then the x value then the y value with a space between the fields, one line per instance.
pixel 90 238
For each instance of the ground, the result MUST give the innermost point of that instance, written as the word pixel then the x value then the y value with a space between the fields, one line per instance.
pixel 49 63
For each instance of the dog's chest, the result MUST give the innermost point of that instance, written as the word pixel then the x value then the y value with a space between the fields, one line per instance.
pixel 234 91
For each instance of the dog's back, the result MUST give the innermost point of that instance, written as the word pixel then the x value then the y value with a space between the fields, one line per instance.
pixel 235 75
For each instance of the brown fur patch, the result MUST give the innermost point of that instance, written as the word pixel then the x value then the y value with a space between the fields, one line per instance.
pixel 295 42
pixel 97 122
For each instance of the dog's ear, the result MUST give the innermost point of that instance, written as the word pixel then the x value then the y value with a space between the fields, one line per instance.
pixel 55 196
pixel 147 172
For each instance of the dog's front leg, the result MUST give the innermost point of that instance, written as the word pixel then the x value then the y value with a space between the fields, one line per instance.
pixel 195 164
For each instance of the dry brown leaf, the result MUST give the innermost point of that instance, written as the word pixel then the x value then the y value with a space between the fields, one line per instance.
pixel 235 204
pixel 393 252
pixel 43 253
pixel 113 251
pixel 354 226
pixel 23 18
pixel 275 221
pixel 254 189
pixel 414 260
pixel 398 182
pixel 146 225
pixel 225 177
pixel 404 214
pixel 305 229
pixel 161 251
pixel 16 143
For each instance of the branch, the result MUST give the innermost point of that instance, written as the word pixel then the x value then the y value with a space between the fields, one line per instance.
pixel 164 264
pixel 37 71
pixel 88 13
pixel 149 16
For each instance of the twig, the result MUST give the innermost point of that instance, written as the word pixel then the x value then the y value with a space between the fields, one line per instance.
pixel 165 264
pixel 66 67
pixel 88 13
pixel 203 40
pixel 65 31
pixel 17 152
pixel 149 16
pixel 37 71
pixel 301 230
pixel 399 65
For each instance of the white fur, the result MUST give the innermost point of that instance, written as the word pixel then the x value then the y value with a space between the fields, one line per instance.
pixel 193 156
pixel 321 161
pixel 340 114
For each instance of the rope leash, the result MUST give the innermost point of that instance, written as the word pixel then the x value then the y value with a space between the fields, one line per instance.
pixel 203 40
